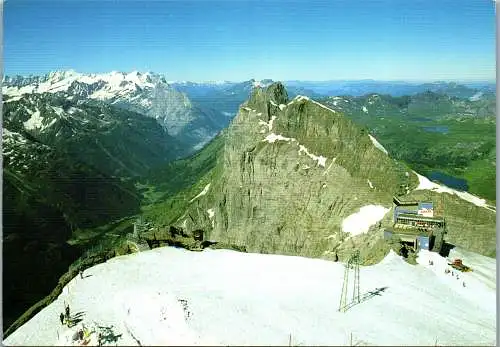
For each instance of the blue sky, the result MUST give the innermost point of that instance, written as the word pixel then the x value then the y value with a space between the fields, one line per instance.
pixel 238 40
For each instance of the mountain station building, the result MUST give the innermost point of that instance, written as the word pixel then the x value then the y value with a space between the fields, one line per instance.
pixel 416 225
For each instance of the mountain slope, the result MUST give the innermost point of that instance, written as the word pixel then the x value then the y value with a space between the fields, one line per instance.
pixel 286 178
pixel 46 195
pixel 116 141
pixel 67 165
pixel 295 177
pixel 146 93
pixel 445 138
pixel 171 296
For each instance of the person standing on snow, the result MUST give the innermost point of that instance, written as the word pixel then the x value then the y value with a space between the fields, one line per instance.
pixel 61 317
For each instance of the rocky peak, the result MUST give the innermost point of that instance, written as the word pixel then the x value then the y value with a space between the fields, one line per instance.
pixel 291 173
pixel 275 94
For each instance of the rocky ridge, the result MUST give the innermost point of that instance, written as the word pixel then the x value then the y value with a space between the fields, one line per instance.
pixel 292 171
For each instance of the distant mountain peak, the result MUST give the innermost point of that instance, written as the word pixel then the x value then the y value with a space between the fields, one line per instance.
pixel 275 93
pixel 261 83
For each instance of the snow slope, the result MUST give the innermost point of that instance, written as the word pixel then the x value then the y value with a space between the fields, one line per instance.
pixel 171 296
pixel 426 184
pixel 360 222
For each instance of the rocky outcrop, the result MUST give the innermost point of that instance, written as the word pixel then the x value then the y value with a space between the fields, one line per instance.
pixel 291 172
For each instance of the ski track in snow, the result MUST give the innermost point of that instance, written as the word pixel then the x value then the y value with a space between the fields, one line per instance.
pixel 170 296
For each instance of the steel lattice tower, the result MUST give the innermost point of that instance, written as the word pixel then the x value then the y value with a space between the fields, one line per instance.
pixel 355 264
pixel 343 296
pixel 352 263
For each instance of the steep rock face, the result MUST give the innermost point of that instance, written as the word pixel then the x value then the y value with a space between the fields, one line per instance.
pixel 291 172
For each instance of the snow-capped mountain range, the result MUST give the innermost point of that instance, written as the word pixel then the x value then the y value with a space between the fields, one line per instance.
pixel 192 112
pixel 107 87
pixel 145 93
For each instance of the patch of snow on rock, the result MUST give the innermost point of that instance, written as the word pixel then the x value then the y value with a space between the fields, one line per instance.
pixel 72 110
pixel 12 136
pixel 320 159
pixel 58 110
pixel 476 96
pixel 14 98
pixel 359 222
pixel 282 107
pixel 211 214
pixel 203 192
pixel 365 110
pixel 257 84
pixel 35 121
pixel 370 184
pixel 426 184
pixel 268 124
pixel 378 145
pixel 329 166
pixel 323 106
pixel 301 98
pixel 272 137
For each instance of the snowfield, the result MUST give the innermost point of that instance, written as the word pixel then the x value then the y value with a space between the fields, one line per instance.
pixel 359 222
pixel 426 184
pixel 170 296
